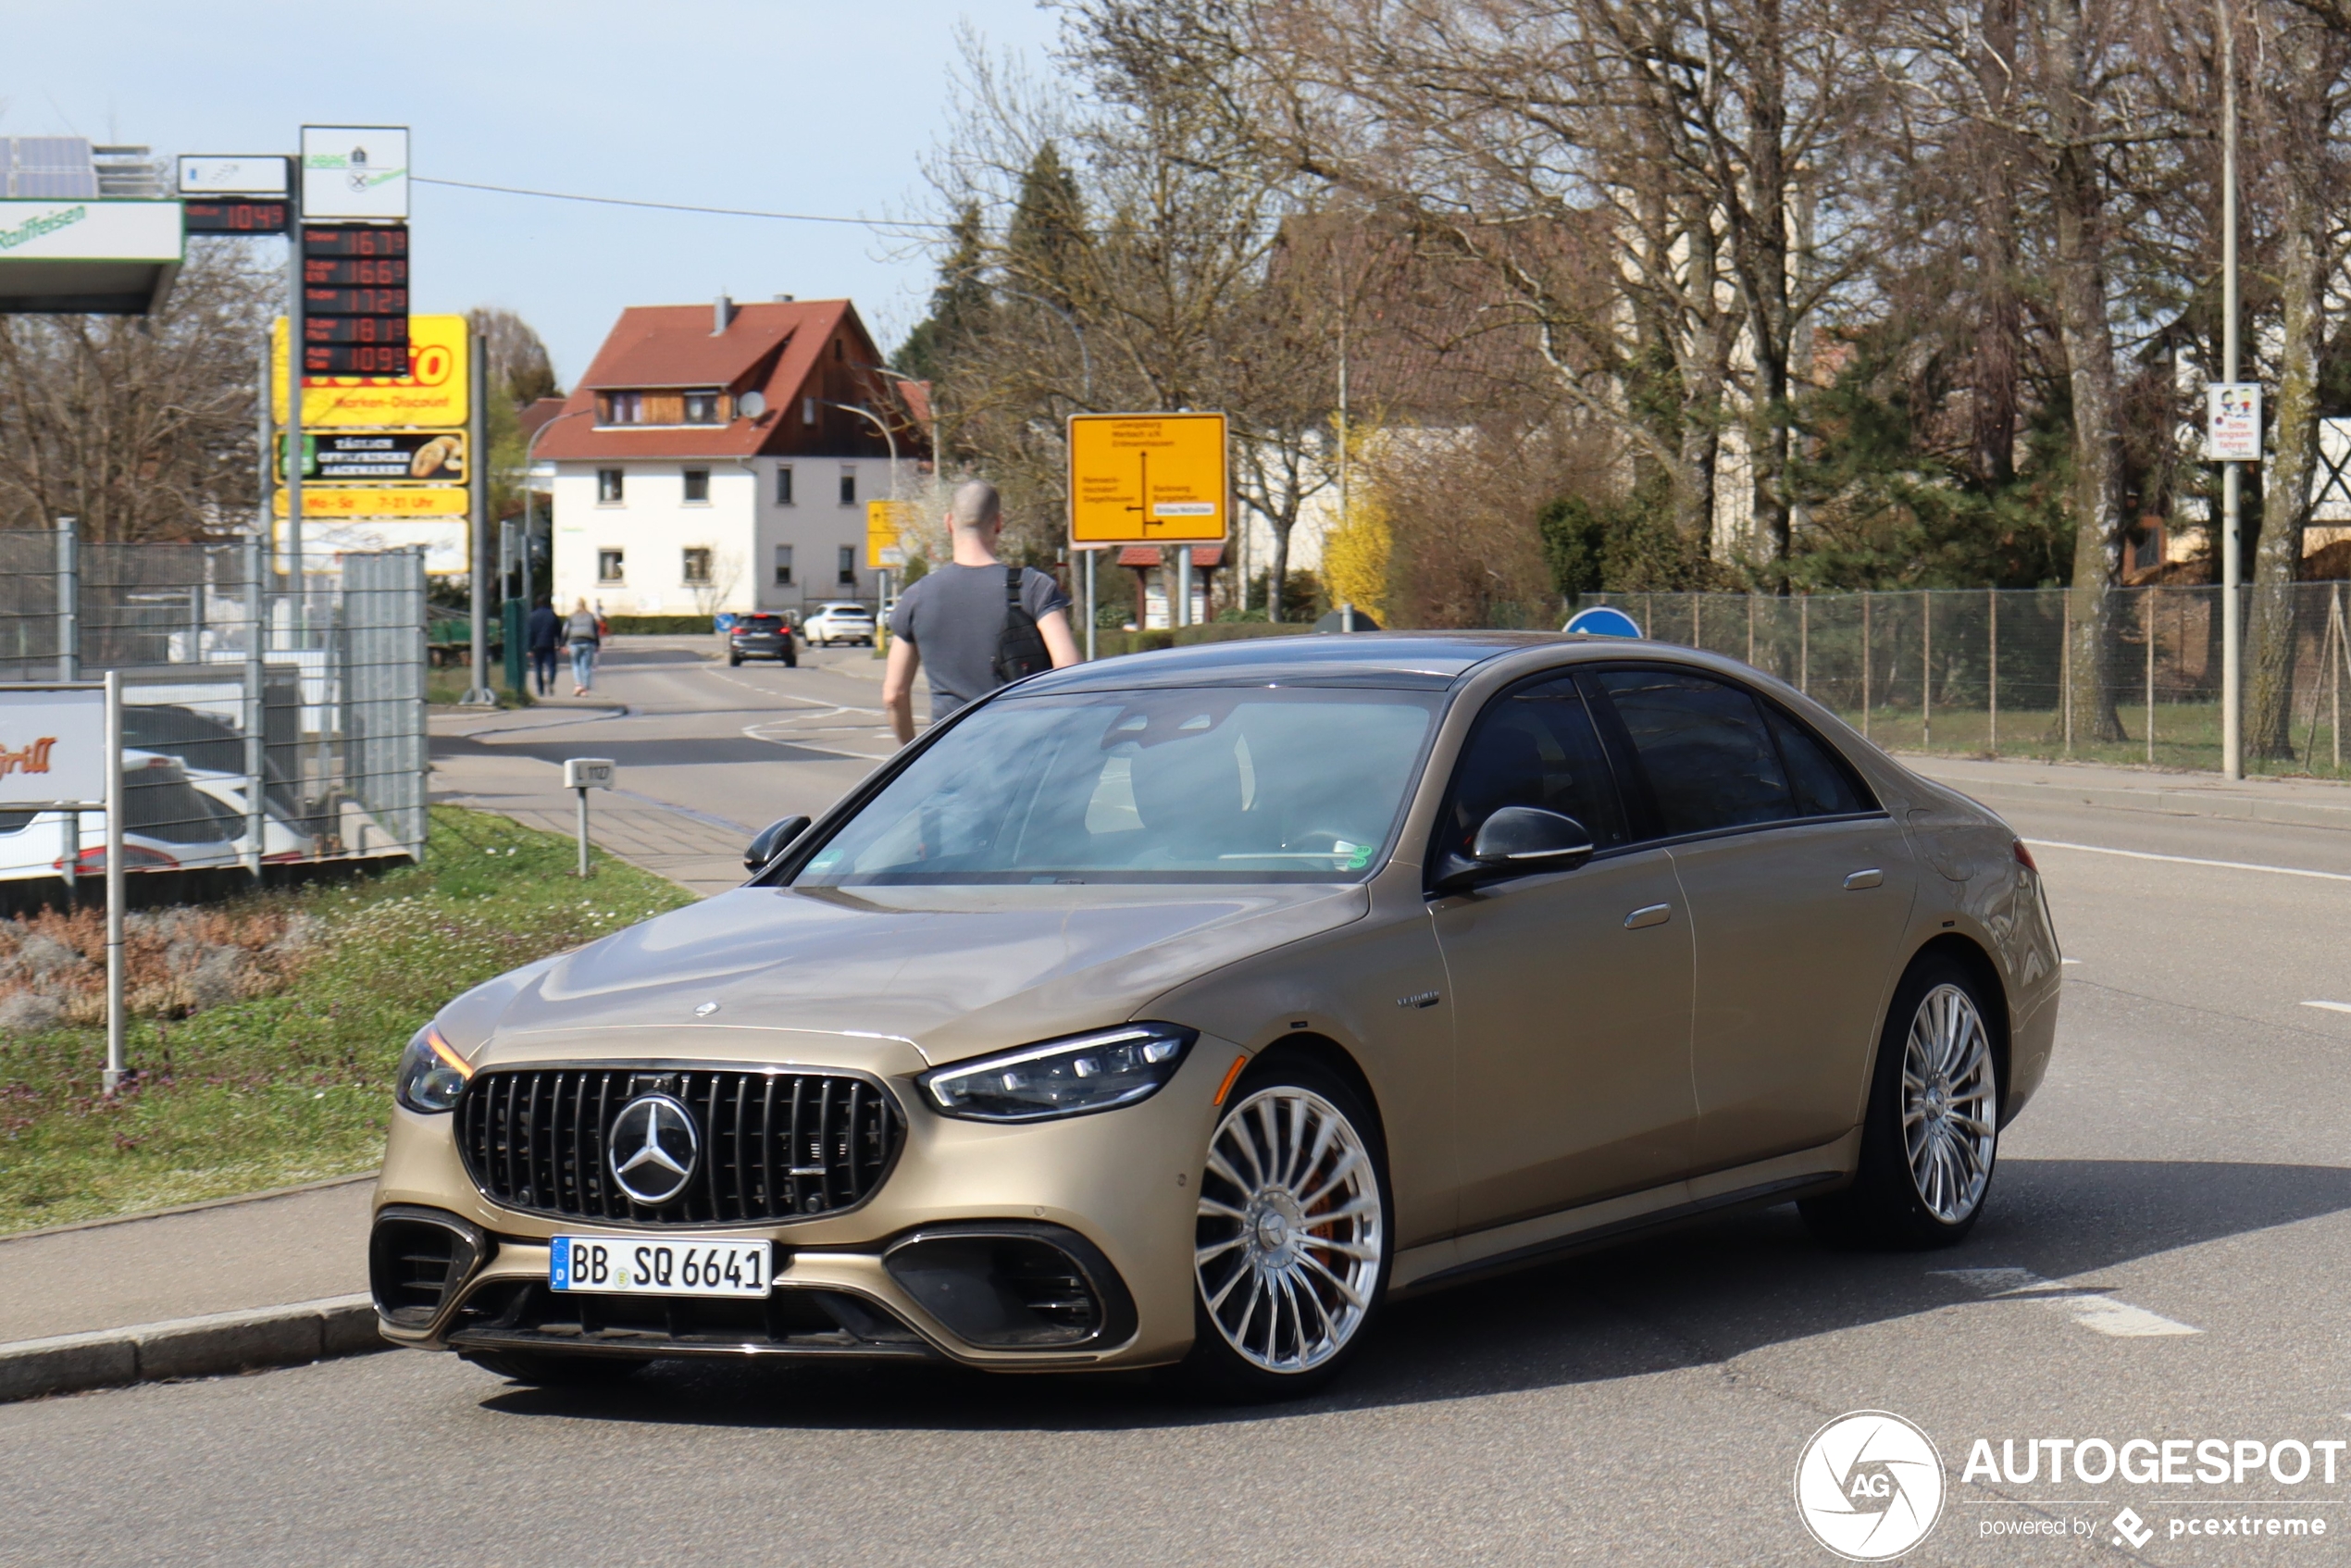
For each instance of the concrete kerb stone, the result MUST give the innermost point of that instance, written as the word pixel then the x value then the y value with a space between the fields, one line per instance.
pixel 191 1347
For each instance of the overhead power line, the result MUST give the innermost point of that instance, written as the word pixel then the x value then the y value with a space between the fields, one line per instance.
pixel 907 226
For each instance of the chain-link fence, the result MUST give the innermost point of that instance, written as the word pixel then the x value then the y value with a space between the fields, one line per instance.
pixel 261 727
pixel 2007 672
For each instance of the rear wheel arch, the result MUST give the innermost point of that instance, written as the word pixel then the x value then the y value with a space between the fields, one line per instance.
pixel 1981 967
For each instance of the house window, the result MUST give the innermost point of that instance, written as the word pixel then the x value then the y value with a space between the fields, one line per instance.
pixel 849 487
pixel 807 410
pixel 696 567
pixel 608 488
pixel 608 565
pixel 628 408
pixel 783 484
pixel 783 565
pixel 701 406
pixel 849 565
pixel 839 350
pixel 698 485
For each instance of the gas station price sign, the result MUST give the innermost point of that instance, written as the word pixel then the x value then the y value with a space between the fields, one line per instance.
pixel 355 295
pixel 235 215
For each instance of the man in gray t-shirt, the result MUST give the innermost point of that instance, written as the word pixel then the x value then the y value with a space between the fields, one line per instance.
pixel 952 620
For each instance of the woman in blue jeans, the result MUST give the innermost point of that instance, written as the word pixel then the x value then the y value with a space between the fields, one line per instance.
pixel 579 635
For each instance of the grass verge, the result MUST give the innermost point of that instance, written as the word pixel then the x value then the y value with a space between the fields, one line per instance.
pixel 295 1086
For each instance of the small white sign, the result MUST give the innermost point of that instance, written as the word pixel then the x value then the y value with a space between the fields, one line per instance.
pixel 52 747
pixel 588 773
pixel 245 175
pixel 2233 422
pixel 354 172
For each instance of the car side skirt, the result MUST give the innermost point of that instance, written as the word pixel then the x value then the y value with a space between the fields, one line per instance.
pixel 1522 1243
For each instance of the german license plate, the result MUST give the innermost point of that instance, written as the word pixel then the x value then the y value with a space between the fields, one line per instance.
pixel 631 1265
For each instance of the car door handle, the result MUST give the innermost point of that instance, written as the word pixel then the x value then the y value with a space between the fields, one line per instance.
pixel 1860 880
pixel 1649 915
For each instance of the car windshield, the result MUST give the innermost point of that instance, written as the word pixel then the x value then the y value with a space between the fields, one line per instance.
pixel 1227 784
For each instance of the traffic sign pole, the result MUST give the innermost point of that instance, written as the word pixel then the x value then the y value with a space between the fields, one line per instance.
pixel 116 1067
pixel 479 695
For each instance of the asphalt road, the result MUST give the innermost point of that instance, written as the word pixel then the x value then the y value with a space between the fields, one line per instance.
pixel 2174 1215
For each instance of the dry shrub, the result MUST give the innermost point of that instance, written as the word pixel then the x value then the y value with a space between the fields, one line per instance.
pixel 53 967
pixel 1466 544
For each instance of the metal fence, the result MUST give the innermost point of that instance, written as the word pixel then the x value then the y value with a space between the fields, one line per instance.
pixel 1998 672
pixel 262 727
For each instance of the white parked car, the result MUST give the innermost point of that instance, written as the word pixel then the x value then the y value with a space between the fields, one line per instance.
pixel 168 824
pixel 838 621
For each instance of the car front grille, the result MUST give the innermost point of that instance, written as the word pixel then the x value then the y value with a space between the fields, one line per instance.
pixel 773 1145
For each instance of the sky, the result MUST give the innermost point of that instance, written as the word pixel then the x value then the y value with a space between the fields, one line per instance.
pixel 823 107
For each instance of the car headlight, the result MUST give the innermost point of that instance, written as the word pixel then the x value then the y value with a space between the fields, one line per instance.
pixel 1063 1077
pixel 432 1073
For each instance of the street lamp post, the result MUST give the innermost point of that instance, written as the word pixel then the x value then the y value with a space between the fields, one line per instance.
pixel 890 440
pixel 2231 534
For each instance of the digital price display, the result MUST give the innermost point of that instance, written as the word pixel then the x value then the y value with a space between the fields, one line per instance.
pixel 356 359
pixel 345 274
pixel 234 216
pixel 355 293
pixel 355 301
pixel 354 329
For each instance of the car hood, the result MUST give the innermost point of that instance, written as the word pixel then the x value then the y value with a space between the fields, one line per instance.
pixel 856 976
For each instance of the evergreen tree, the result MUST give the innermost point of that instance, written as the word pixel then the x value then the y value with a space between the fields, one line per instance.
pixel 959 305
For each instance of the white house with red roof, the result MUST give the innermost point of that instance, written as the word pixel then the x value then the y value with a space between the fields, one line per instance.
pixel 712 459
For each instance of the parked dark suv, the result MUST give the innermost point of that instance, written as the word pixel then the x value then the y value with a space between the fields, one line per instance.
pixel 762 636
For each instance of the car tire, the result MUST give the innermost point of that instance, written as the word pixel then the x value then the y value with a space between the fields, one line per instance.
pixel 734 661
pixel 1938 1069
pixel 552 1370
pixel 1294 1224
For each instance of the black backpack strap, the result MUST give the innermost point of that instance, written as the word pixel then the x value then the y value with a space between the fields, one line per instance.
pixel 1012 587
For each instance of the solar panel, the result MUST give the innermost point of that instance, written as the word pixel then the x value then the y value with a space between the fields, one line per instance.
pixel 50 166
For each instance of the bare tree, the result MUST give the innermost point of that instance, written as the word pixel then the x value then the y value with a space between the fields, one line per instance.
pixel 142 428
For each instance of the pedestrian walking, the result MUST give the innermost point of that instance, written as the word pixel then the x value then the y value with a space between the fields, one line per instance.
pixel 540 637
pixel 975 624
pixel 583 634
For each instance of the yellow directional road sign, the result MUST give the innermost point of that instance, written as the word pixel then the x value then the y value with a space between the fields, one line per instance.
pixel 1147 478
pixel 885 520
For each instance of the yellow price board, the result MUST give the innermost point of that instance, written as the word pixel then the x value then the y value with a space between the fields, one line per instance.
pixel 327 502
pixel 1147 478
pixel 432 396
pixel 885 520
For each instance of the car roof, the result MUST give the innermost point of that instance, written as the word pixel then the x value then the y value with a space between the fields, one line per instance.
pixel 1423 659
pixel 844 604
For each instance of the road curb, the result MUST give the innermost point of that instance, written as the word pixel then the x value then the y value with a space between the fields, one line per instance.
pixel 191 1347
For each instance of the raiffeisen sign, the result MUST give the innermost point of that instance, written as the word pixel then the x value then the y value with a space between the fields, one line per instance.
pixel 81 254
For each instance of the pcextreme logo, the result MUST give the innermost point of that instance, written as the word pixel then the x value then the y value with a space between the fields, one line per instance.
pixel 1869 1485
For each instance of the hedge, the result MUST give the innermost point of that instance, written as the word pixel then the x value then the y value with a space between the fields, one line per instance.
pixel 1109 644
pixel 658 626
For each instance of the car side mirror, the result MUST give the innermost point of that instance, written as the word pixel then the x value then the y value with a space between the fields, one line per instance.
pixel 1531 839
pixel 771 841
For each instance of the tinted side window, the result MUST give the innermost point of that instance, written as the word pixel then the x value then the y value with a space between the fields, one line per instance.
pixel 1822 787
pixel 1710 761
pixel 1535 747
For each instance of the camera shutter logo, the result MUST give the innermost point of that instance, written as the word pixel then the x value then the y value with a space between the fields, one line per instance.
pixel 1870 1486
pixel 653 1149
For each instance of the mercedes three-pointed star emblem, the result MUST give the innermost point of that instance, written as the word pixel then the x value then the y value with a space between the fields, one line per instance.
pixel 654 1147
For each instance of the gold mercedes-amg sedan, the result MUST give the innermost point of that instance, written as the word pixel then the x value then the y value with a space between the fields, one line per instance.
pixel 1184 1008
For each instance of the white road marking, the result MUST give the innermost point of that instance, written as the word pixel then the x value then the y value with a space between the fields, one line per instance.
pixel 788 697
pixel 2069 961
pixel 2091 1309
pixel 2330 1006
pixel 2193 860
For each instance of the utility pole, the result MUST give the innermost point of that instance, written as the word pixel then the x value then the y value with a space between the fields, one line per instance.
pixel 294 333
pixel 477 487
pixel 2232 539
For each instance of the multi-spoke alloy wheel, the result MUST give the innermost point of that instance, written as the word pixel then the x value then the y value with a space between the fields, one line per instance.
pixel 1948 1107
pixel 1930 1134
pixel 1291 1234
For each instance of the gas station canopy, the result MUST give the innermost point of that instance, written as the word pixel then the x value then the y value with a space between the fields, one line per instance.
pixel 83 230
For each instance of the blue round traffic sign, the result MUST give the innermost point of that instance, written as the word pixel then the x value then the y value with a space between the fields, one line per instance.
pixel 1604 620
